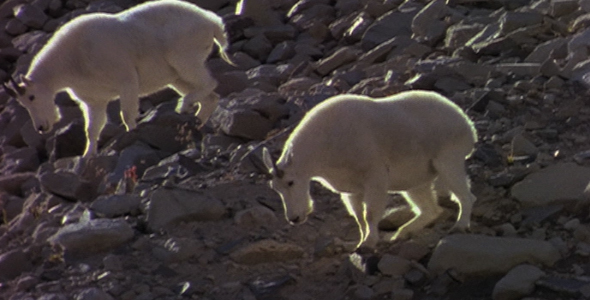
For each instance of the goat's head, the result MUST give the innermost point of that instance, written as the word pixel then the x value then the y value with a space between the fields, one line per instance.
pixel 37 99
pixel 292 186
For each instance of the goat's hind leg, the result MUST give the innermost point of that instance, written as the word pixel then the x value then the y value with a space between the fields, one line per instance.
pixel 423 203
pixel 451 172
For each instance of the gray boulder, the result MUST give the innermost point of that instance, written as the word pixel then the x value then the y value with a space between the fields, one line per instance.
pixel 111 206
pixel 168 207
pixel 88 236
pixel 562 182
pixel 480 255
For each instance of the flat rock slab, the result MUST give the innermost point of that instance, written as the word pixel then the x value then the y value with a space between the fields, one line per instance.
pixel 169 207
pixel 560 182
pixel 93 235
pixel 266 251
pixel 480 255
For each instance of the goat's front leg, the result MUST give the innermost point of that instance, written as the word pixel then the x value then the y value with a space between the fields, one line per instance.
pixel 355 207
pixel 96 118
pixel 206 107
pixel 129 99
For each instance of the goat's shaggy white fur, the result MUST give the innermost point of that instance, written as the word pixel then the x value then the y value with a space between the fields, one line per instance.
pixel 100 57
pixel 364 148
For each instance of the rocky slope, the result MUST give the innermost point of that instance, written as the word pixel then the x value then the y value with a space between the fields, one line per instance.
pixel 170 212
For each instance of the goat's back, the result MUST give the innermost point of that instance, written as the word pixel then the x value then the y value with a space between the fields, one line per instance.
pixel 400 125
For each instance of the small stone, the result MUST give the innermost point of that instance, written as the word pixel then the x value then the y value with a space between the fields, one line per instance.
pixel 93 294
pixel 394 265
pixel 26 283
pixel 13 263
pixel 519 282
pixel 255 216
pixel 364 292
pixel 572 224
pixel 113 263
pixel 402 294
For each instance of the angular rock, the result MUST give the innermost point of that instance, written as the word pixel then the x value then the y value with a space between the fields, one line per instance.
pixel 67 141
pixel 89 236
pixel 67 185
pixel 15 27
pixel 519 69
pixel 176 167
pixel 259 47
pixel 111 206
pixel 13 263
pixel 519 282
pixel 93 294
pixel 138 156
pixel 30 15
pixel 459 34
pixel 511 21
pixel 352 29
pixel 306 17
pixel 255 216
pixel 427 25
pixel 340 57
pixel 239 82
pixel 13 184
pixel 281 52
pixel 266 251
pixel 176 250
pixel 260 11
pixel 274 75
pixel 388 26
pixel 169 207
pixel 546 50
pixel 395 217
pixel 244 123
pixel 394 266
pixel 20 160
pixel 559 183
pixel 478 255
pixel 560 8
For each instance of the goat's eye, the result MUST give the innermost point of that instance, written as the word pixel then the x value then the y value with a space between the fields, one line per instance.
pixel 290 183
pixel 32 98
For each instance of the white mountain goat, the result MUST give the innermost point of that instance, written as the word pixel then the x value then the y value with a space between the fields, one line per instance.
pixel 364 148
pixel 99 57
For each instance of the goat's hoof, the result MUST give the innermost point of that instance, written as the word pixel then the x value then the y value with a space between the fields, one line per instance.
pixel 459 229
pixel 364 250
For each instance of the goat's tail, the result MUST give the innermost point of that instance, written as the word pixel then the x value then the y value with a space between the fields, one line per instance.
pixel 220 38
